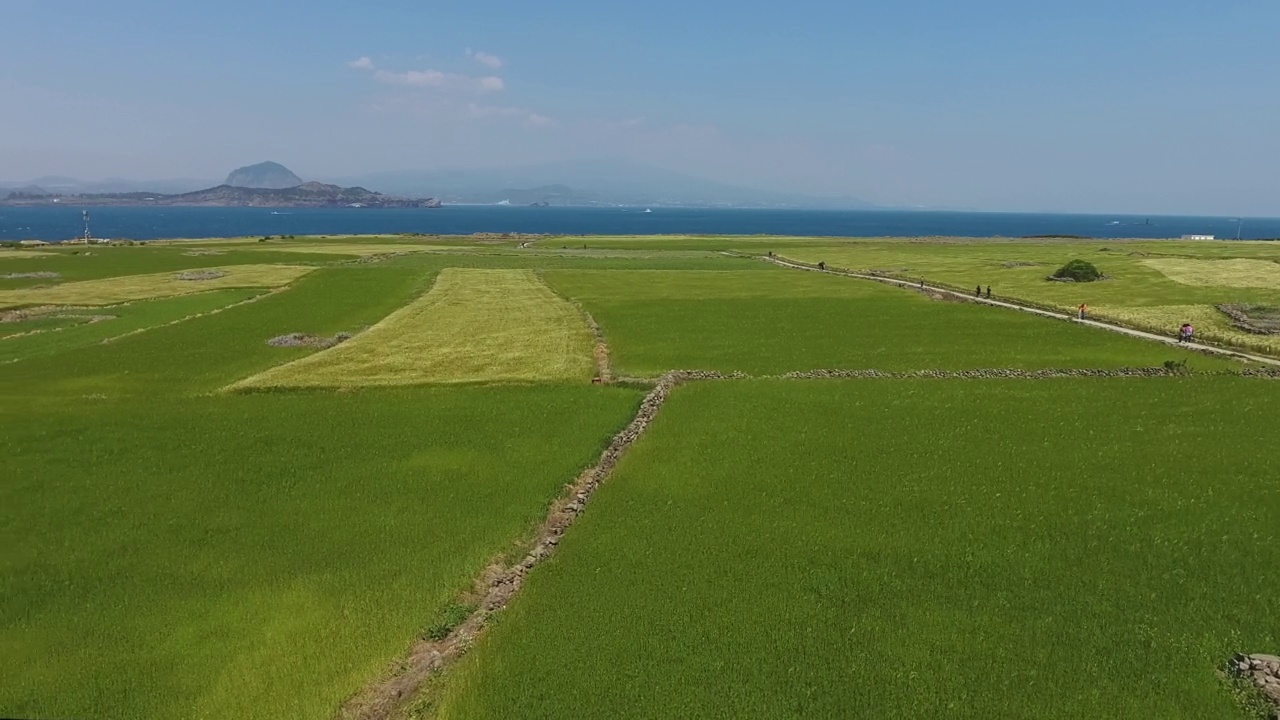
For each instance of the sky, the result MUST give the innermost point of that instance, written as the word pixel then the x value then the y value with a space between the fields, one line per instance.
pixel 1084 106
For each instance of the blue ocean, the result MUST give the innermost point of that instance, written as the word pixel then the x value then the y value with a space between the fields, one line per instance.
pixel 143 223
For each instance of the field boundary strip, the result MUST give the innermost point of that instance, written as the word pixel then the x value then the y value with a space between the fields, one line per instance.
pixel 604 368
pixel 495 587
pixel 1056 315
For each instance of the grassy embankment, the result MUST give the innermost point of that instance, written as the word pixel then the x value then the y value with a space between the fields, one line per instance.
pixel 925 548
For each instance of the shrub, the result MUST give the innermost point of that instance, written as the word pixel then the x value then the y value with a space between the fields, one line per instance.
pixel 1079 271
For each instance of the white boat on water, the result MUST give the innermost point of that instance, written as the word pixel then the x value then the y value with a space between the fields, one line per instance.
pixel 647 210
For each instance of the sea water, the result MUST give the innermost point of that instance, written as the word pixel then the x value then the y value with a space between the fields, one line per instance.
pixel 62 222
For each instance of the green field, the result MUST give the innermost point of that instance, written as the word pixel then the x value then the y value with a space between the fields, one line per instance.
pixel 781 321
pixel 198 522
pixel 943 549
pixel 1151 285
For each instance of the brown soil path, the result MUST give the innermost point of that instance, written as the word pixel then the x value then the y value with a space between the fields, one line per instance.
pixel 783 262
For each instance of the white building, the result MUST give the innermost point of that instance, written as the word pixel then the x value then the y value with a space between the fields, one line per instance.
pixel 1197 237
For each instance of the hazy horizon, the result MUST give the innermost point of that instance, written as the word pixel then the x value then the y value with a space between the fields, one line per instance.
pixel 1108 107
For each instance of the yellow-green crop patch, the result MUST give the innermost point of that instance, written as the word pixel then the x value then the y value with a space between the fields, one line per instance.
pixel 110 291
pixel 1236 273
pixel 1210 324
pixel 14 254
pixel 472 326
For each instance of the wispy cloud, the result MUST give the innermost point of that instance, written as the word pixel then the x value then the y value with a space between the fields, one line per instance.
pixel 487 59
pixel 364 63
pixel 441 80
pixel 476 111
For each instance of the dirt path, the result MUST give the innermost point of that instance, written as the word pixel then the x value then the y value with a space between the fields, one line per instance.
pixel 1033 310
pixel 499 582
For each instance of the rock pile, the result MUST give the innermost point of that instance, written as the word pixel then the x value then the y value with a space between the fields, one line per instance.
pixel 989 373
pixel 307 340
pixel 20 276
pixel 1263 671
pixel 200 274
pixel 495 587
pixel 1241 318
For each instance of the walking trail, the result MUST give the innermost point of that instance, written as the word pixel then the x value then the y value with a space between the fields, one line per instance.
pixel 1034 310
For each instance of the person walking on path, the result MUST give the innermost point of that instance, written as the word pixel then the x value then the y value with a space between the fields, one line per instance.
pixel 988 292
pixel 822 266
pixel 978 292
pixel 1082 312
pixel 1186 332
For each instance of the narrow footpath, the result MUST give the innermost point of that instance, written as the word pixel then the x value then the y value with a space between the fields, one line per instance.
pixel 1142 334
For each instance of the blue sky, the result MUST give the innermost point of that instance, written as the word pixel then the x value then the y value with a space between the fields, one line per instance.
pixel 1115 106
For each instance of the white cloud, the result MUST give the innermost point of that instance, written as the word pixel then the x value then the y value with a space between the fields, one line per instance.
pixel 477 112
pixel 487 59
pixel 453 82
pixel 364 63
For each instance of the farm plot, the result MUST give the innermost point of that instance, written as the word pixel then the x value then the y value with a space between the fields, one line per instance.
pixel 924 548
pixel 260 556
pixel 205 353
pixel 349 248
pixel 473 326
pixel 1156 280
pixel 1237 273
pixel 62 329
pixel 115 290
pixel 778 321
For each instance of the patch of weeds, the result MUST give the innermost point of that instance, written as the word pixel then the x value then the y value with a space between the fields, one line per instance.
pixel 448 618
pixel 1252 703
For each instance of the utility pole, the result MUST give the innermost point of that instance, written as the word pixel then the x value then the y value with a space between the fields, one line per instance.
pixel 87 236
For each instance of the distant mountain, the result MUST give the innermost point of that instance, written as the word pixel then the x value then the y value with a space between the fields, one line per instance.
pixel 593 182
pixel 57 185
pixel 24 191
pixel 267 175
pixel 312 194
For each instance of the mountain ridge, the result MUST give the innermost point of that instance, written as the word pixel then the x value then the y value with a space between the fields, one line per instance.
pixel 267 175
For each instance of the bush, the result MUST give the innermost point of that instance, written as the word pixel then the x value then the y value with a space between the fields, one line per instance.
pixel 1079 271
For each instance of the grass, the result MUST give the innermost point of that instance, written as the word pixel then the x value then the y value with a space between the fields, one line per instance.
pixel 1237 273
pixel 6 254
pixel 890 548
pixel 1064 548
pixel 206 353
pixel 1210 324
pixel 473 326
pixel 100 262
pixel 111 291
pixel 1147 274
pixel 65 331
pixel 779 321
pixel 339 248
pixel 260 556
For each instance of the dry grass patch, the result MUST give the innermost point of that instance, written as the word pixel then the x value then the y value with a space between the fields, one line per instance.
pixel 111 291
pixel 1210 323
pixel 473 326
pixel 23 254
pixel 1237 273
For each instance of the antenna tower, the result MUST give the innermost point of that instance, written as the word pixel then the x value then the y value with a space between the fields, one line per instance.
pixel 87 236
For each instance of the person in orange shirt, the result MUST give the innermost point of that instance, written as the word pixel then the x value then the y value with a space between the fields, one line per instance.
pixel 1083 310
